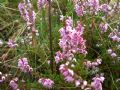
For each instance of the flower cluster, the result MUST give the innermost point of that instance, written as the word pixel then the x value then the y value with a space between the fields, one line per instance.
pixel 13 85
pixel 11 43
pixel 88 6
pixel 97 82
pixel 71 41
pixel 67 73
pixel 94 6
pixel 6 78
pixel 113 54
pixel 103 27
pixel 105 8
pixel 29 15
pixel 71 77
pixel 24 66
pixel 94 64
pixel 83 84
pixel 79 9
pixel 41 3
pixel 46 82
pixel 115 35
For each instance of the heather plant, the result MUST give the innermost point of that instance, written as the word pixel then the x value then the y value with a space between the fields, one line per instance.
pixel 60 45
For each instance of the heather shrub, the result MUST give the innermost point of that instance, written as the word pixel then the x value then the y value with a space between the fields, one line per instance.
pixel 60 45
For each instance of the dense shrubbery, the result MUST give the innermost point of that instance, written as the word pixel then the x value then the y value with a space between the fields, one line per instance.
pixel 81 53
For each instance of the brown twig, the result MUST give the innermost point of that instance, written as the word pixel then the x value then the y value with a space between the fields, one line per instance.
pixel 50 35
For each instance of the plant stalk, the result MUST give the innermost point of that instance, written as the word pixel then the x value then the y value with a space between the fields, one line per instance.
pixel 50 35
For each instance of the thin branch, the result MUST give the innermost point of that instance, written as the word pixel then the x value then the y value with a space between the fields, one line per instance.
pixel 50 35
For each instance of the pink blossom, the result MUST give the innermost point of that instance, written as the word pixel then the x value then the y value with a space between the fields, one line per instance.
pixel 21 8
pixel 77 83
pixel 79 9
pixel 46 82
pixel 105 8
pixel 67 73
pixel 103 27
pixel 69 21
pixel 23 65
pixel 114 38
pixel 13 85
pixel 94 4
pixel 97 82
pixel 58 57
pixel 94 64
pixel 11 43
pixel 115 35
pixel 27 13
pixel 71 39
pixel 113 54
pixel 69 79
pixel 109 51
pixel 41 3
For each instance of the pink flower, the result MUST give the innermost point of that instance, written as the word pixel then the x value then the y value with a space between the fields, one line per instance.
pixel 99 61
pixel 11 43
pixel 103 27
pixel 105 8
pixel 13 85
pixel 96 85
pixel 97 82
pixel 114 38
pixel 58 57
pixel 113 54
pixel 69 79
pixel 41 3
pixel 48 83
pixel 23 65
pixel 69 21
pixel 27 13
pixel 109 51
pixel 90 64
pixel 67 73
pixel 115 35
pixel 94 4
pixel 77 83
pixel 79 9
pixel 21 8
